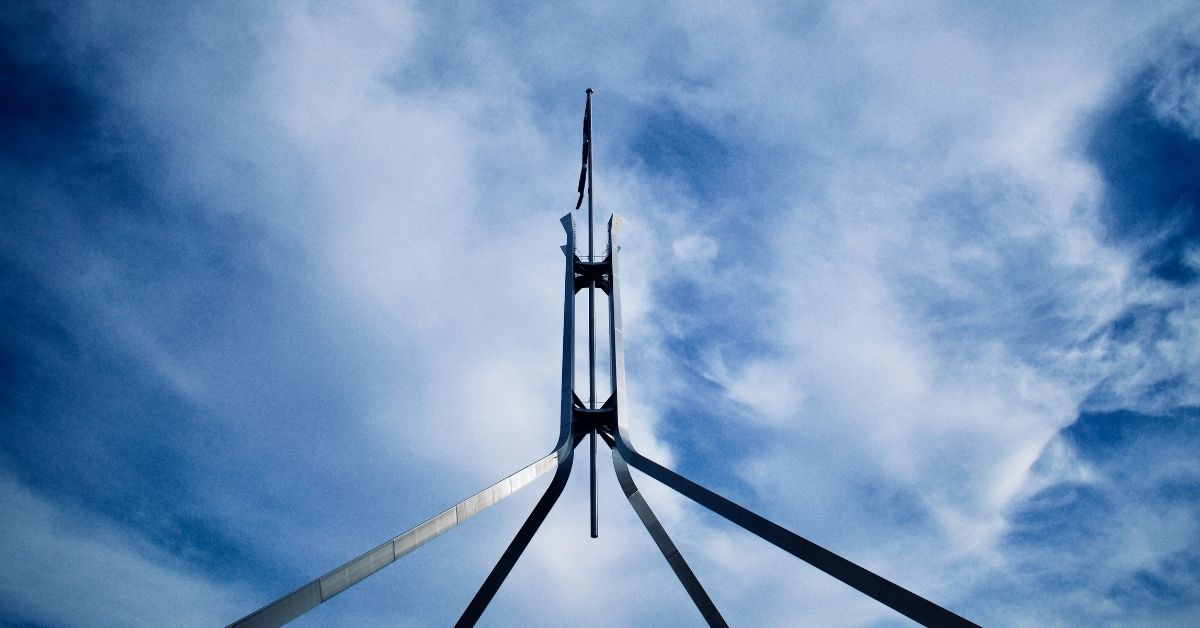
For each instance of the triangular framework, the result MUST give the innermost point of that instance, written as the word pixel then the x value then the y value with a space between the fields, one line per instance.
pixel 609 421
pixel 576 422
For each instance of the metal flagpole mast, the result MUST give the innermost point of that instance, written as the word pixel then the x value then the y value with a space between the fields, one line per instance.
pixel 608 421
pixel 591 317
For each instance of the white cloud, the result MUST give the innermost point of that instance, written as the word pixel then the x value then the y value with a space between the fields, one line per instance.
pixel 695 248
pixel 1176 93
pixel 934 298
pixel 69 567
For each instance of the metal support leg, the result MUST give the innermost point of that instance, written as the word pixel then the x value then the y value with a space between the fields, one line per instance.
pixel 682 571
pixel 509 559
pixel 889 593
pixel 307 597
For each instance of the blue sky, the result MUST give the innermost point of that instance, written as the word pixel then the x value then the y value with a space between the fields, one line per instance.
pixel 919 283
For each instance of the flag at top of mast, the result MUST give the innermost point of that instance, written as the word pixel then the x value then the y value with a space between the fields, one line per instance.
pixel 587 147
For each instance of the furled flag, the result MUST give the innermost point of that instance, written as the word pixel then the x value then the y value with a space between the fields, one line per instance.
pixel 587 146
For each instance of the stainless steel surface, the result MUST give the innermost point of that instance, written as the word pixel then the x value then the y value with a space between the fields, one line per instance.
pixel 354 571
pixel 567 390
pixel 568 438
pixel 284 609
pixel 516 547
pixel 889 593
pixel 307 597
pixel 616 337
pixel 691 584
pixel 877 587
pixel 610 421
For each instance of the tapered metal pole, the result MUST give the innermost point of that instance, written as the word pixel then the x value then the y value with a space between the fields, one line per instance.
pixel 595 516
pixel 592 326
pixel 687 578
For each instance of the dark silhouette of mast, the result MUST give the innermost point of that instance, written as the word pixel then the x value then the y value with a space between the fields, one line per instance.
pixel 609 421
pixel 587 146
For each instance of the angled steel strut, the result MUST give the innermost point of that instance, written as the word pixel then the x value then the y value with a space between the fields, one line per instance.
pixel 682 571
pixel 577 421
pixel 310 595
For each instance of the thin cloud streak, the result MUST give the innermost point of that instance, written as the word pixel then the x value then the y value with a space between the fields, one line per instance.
pixel 869 292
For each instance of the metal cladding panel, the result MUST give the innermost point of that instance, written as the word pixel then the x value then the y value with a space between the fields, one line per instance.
pixel 445 520
pixel 616 336
pixel 546 464
pixel 305 598
pixel 383 555
pixel 486 498
pixel 523 477
pixel 427 530
pixel 333 583
pixel 467 508
pixel 502 489
pixel 568 354
pixel 352 572
pixel 515 548
pixel 285 609
pixel 405 543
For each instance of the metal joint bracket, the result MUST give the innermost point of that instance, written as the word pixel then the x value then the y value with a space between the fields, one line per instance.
pixel 597 273
pixel 603 419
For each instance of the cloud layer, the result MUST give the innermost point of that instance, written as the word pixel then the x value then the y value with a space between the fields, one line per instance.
pixel 919 284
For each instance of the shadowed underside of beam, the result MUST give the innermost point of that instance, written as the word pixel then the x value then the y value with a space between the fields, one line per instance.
pixel 307 597
pixel 682 571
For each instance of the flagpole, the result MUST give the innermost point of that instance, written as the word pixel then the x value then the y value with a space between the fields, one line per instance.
pixel 591 324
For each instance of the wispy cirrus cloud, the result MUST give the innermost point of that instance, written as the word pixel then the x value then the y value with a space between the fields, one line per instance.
pixel 280 266
pixel 70 567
